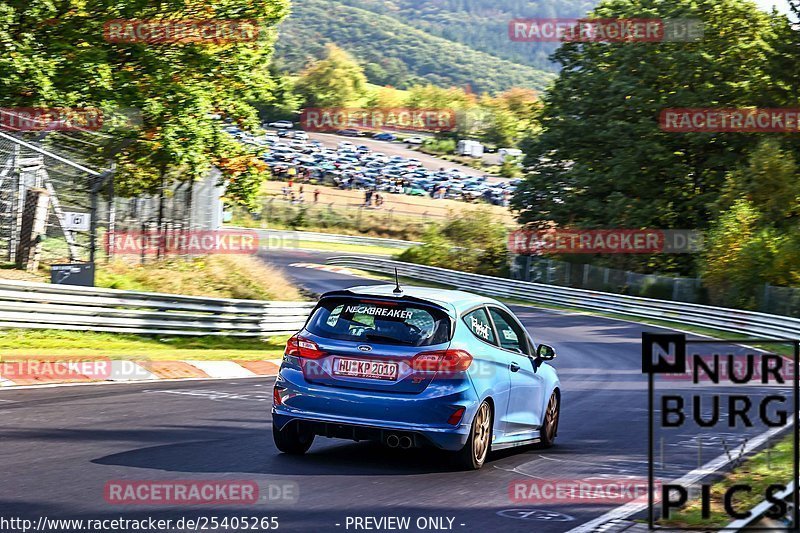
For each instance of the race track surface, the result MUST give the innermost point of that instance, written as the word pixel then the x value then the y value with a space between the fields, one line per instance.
pixel 61 446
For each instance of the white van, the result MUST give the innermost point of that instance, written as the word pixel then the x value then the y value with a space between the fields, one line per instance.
pixel 470 148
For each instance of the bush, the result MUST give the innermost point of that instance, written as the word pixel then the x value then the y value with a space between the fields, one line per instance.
pixel 469 242
pixel 740 257
pixel 439 146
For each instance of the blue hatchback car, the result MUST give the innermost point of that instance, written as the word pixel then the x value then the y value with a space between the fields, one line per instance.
pixel 415 367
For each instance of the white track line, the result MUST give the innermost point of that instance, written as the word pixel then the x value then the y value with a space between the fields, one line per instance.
pixel 625 511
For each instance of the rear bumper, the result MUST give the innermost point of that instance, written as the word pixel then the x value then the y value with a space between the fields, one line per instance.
pixel 452 440
pixel 367 415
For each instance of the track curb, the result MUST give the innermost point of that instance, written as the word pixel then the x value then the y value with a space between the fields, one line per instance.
pixel 47 373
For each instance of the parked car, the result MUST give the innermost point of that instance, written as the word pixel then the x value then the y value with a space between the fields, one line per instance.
pixel 350 132
pixel 281 124
pixel 416 367
pixel 414 140
pixel 385 137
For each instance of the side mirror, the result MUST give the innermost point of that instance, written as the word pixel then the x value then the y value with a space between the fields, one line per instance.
pixel 545 352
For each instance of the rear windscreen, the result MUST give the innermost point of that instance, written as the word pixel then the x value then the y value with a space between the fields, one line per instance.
pixel 380 322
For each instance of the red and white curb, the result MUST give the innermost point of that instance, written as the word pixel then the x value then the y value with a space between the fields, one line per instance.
pixel 26 373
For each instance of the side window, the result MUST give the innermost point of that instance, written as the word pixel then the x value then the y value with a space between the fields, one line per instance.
pixel 479 325
pixel 512 336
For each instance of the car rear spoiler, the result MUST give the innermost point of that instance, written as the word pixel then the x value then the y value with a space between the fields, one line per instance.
pixel 413 299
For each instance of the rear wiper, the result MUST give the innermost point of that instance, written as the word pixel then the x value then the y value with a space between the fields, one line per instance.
pixel 376 337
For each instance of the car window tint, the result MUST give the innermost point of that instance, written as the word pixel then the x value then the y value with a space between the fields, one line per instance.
pixel 381 322
pixel 479 325
pixel 512 336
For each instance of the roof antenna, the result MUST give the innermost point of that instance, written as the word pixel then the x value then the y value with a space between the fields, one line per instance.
pixel 397 289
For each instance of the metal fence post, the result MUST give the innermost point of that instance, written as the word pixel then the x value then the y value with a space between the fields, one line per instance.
pixel 528 265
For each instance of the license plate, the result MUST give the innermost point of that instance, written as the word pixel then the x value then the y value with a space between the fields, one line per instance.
pixel 362 368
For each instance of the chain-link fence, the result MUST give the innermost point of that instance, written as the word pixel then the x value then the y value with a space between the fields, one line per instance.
pixel 780 301
pixel 583 276
pixel 76 200
pixel 65 184
pixel 783 301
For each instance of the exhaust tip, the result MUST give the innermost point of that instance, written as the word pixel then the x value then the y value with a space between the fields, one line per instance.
pixel 405 442
pixel 393 441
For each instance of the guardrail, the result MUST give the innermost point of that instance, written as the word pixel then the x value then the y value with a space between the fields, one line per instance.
pixel 719 318
pixel 64 307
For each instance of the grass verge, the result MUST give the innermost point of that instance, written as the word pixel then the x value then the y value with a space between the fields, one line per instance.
pixel 44 344
pixel 773 465
pixel 219 276
pixel 348 248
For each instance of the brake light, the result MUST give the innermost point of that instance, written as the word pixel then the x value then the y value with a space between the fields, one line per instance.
pixel 442 361
pixel 276 396
pixel 302 347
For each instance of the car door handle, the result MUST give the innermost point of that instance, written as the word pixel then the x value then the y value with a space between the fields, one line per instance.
pixel 514 367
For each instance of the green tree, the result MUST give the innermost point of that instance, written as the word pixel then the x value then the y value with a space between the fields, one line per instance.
pixel 335 80
pixel 283 101
pixel 770 182
pixel 602 160
pixel 57 55
pixel 756 239
pixel 740 257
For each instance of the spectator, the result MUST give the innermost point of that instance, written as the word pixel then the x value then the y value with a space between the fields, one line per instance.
pixel 368 198
pixel 316 196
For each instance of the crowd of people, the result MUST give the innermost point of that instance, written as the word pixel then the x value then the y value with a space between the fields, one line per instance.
pixel 300 196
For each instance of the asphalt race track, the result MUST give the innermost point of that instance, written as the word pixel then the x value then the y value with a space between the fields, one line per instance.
pixel 60 446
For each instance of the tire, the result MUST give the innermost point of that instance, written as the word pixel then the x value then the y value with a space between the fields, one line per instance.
pixel 473 454
pixel 549 430
pixel 291 439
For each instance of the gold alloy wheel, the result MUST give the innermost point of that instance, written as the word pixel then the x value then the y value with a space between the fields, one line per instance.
pixel 481 433
pixel 551 422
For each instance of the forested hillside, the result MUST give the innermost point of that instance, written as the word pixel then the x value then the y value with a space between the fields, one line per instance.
pixel 447 42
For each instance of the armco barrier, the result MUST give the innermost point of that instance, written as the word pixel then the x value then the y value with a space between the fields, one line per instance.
pixel 45 306
pixel 732 320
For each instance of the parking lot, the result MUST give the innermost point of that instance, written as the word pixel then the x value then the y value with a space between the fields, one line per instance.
pixel 367 164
